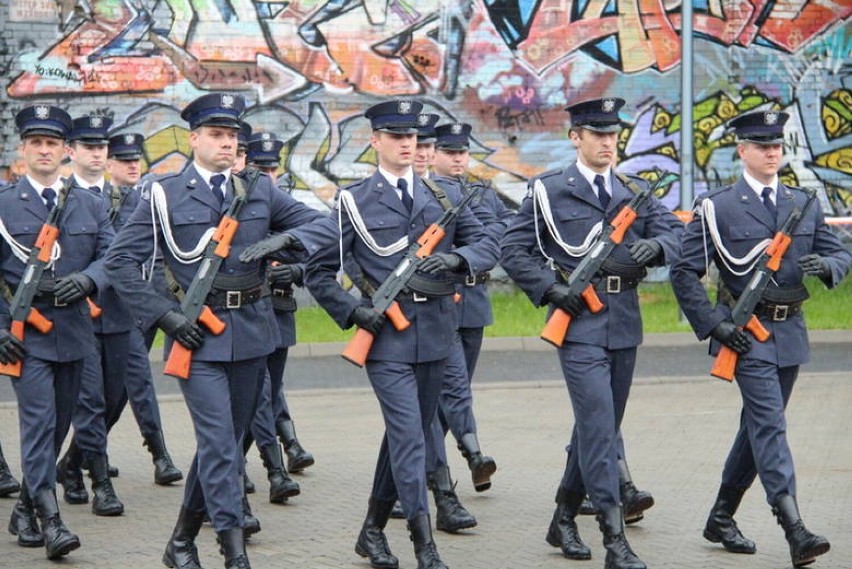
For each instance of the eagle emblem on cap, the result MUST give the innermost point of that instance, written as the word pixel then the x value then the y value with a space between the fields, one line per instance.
pixel 42 112
pixel 227 101
pixel 404 107
pixel 267 145
pixel 95 122
pixel 423 120
pixel 129 139
pixel 456 128
pixel 608 105
pixel 770 118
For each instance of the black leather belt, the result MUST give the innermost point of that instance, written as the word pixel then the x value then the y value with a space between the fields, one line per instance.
pixel 283 300
pixel 233 299
pixel 477 279
pixel 614 284
pixel 777 312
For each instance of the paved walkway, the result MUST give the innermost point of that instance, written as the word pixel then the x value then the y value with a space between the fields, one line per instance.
pixel 678 432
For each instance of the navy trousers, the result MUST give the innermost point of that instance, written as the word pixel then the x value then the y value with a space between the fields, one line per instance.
pixel 47 394
pixel 471 339
pixel 263 424
pixel 598 383
pixel 139 388
pixel 102 392
pixel 760 447
pixel 408 397
pixel 221 398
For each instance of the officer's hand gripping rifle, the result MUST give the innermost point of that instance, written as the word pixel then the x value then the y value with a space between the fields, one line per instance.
pixel 384 299
pixel 742 314
pixel 580 280
pixel 21 308
pixel 192 306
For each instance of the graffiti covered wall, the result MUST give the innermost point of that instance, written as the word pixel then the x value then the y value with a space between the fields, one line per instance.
pixel 310 67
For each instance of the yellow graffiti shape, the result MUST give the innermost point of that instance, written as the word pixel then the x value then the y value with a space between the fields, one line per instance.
pixel 837 113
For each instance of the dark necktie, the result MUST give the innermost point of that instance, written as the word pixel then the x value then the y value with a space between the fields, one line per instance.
pixel 216 181
pixel 95 189
pixel 404 196
pixel 49 195
pixel 603 195
pixel 766 194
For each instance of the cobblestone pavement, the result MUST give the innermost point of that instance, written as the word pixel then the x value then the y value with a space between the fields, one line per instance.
pixel 677 432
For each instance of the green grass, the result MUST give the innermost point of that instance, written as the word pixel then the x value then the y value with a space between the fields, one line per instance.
pixel 514 314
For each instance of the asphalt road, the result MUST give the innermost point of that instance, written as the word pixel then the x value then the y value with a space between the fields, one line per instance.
pixel 686 360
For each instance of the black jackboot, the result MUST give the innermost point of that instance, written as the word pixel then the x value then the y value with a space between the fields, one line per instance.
pixel 805 546
pixel 298 458
pixel 165 471
pixel 451 516
pixel 633 502
pixel 563 532
pixel 251 525
pixel 233 546
pixel 181 552
pixel 69 473
pixel 8 484
pixel 22 522
pixel 281 486
pixel 104 500
pixel 424 547
pixel 372 542
pixel 721 527
pixel 58 539
pixel 481 467
pixel 618 552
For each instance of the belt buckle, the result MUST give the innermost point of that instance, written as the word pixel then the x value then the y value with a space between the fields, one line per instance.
pixel 58 303
pixel 280 292
pixel 417 297
pixel 233 298
pixel 470 280
pixel 613 284
pixel 780 312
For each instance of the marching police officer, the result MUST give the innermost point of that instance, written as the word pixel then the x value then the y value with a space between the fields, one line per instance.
pixel 380 216
pixel 102 387
pixel 124 158
pixel 739 219
pixel 226 369
pixel 555 227
pixel 424 153
pixel 452 156
pixel 243 136
pixel 273 413
pixel 52 361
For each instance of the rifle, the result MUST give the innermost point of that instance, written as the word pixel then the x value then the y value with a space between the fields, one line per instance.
pixel 580 280
pixel 21 308
pixel 742 313
pixel 192 306
pixel 384 299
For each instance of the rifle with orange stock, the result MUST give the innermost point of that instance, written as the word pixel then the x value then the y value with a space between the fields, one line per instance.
pixel 384 299
pixel 580 279
pixel 742 314
pixel 193 304
pixel 21 307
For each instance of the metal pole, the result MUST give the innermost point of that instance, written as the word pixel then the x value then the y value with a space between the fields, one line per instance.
pixel 687 159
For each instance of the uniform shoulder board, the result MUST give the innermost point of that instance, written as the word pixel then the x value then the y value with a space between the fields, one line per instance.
pixel 353 186
pixel 716 191
pixel 548 174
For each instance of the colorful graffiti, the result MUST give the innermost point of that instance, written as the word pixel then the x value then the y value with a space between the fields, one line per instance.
pixel 310 67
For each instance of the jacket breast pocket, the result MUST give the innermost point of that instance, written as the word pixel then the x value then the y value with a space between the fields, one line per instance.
pixel 575 221
pixel 24 232
pixel 254 223
pixel 189 225
pixel 81 234
pixel 385 231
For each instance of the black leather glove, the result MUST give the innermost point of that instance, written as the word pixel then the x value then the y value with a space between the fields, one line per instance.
pixel 368 319
pixel 72 288
pixel 560 296
pixel 270 245
pixel 438 262
pixel 735 338
pixel 187 334
pixel 12 350
pixel 815 265
pixel 645 251
pixel 285 275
